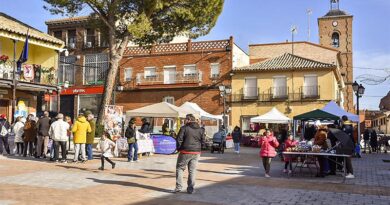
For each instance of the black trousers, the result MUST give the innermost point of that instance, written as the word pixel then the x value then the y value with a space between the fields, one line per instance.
pixel 30 146
pixel 19 148
pixel 4 141
pixel 59 144
pixel 108 160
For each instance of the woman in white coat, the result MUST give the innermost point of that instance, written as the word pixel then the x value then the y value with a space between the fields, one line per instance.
pixel 19 131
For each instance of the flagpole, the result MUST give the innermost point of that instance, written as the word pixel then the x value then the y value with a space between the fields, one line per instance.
pixel 14 84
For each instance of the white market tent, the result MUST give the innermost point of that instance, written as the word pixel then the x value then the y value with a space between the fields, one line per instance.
pixel 273 116
pixel 203 114
pixel 162 109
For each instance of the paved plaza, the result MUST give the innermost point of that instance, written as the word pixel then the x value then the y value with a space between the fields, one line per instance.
pixel 221 179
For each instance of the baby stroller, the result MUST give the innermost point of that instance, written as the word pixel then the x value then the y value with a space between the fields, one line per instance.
pixel 218 143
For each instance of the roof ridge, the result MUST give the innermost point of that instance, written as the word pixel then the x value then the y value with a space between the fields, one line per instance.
pixel 308 59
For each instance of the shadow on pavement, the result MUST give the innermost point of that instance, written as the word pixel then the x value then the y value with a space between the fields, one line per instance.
pixel 131 175
pixel 130 184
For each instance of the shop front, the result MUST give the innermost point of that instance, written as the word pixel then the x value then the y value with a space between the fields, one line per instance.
pixel 77 100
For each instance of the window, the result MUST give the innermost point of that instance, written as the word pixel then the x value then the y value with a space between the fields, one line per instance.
pixel 90 38
pixel 335 40
pixel 128 74
pixel 214 70
pixel 53 103
pixel 96 67
pixel 190 70
pixel 310 86
pixel 149 72
pixel 72 39
pixel 250 88
pixel 103 39
pixel 90 102
pixel 66 69
pixel 169 74
pixel 57 34
pixel 169 99
pixel 280 87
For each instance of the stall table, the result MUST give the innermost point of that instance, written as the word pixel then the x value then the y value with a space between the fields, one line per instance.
pixel 313 155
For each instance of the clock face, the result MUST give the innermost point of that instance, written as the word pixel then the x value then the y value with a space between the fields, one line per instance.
pixel 335 23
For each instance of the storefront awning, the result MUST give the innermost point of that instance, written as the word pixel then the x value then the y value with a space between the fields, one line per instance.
pixel 35 87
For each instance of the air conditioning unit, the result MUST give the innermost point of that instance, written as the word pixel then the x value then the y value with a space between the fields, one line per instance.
pixel 72 45
pixel 89 44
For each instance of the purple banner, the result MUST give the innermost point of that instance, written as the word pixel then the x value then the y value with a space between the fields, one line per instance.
pixel 164 144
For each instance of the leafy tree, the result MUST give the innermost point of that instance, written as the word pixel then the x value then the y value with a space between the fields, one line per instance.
pixel 144 22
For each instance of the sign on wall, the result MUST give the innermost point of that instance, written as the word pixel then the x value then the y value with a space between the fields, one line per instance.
pixel 113 120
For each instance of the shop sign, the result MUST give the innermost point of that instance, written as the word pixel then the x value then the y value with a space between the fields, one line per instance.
pixel 81 91
pixel 3 92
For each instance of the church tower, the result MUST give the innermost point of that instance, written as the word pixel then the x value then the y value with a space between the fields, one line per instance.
pixel 335 31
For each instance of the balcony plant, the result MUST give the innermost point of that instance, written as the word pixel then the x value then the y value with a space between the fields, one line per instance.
pixel 48 75
pixel 3 59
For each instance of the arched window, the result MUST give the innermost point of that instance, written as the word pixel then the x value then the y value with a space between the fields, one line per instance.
pixel 335 40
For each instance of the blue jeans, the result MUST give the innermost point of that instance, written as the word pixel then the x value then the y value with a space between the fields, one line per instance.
pixel 89 151
pixel 237 147
pixel 130 153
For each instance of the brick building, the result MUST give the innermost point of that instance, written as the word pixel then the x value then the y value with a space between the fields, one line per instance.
pixel 179 72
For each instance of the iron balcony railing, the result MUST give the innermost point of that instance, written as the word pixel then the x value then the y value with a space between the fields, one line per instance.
pixel 280 92
pixel 310 92
pixel 176 77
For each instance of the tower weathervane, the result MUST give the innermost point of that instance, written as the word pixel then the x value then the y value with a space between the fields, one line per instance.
pixel 334 4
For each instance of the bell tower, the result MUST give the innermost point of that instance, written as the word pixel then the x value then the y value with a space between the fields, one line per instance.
pixel 335 31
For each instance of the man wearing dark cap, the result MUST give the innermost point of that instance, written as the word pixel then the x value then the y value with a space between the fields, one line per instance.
pixel 189 144
pixel 130 134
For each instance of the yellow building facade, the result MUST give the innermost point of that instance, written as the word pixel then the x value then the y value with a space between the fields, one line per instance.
pixel 292 84
pixel 31 84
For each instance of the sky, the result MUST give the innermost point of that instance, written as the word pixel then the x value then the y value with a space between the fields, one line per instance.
pixel 269 21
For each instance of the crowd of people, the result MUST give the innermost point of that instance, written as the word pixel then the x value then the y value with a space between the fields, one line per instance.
pixel 46 137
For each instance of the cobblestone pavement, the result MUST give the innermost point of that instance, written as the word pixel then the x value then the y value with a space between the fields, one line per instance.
pixel 221 179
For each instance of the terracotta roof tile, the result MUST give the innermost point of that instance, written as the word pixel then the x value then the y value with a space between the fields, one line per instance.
pixel 286 62
pixel 13 25
pixel 67 20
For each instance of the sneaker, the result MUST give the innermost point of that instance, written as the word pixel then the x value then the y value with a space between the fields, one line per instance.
pixel 190 191
pixel 113 166
pixel 176 191
pixel 350 176
pixel 129 160
pixel 74 161
pixel 284 170
pixel 267 176
pixel 64 161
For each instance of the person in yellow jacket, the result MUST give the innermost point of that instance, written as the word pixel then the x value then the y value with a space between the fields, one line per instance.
pixel 80 129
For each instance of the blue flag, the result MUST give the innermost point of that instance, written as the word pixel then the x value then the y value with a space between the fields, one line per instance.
pixel 24 55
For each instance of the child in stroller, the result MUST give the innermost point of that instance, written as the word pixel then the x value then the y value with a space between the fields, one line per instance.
pixel 219 141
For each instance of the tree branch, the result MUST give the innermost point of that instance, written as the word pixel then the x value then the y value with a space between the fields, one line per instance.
pixel 100 13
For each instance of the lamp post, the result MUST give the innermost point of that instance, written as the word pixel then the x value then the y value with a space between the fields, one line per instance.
pixel 359 91
pixel 224 92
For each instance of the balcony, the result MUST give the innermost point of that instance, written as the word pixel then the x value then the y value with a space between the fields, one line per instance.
pixel 274 94
pixel 310 92
pixel 166 78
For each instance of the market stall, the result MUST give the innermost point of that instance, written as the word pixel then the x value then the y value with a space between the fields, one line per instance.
pixel 273 116
pixel 334 109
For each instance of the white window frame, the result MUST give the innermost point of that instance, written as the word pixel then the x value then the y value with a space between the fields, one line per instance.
pixel 169 99
pixel 153 74
pixel 215 75
pixel 279 93
pixel 125 74
pixel 307 93
pixel 172 77
pixel 245 89
pixel 192 68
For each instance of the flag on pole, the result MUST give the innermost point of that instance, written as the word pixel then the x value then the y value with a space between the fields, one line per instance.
pixel 24 55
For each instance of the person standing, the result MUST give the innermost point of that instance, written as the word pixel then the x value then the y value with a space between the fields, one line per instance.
pixel 43 127
pixel 5 128
pixel 18 130
pixel 320 140
pixel 145 127
pixel 268 143
pixel 348 129
pixel 106 146
pixel 80 129
pixel 374 141
pixel 90 135
pixel 366 137
pixel 189 144
pixel 30 135
pixel 237 135
pixel 130 134
pixel 58 132
pixel 289 143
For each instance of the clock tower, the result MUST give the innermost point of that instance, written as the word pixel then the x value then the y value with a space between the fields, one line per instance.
pixel 335 31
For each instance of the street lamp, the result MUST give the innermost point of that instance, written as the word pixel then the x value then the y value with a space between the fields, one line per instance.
pixel 359 91
pixel 224 92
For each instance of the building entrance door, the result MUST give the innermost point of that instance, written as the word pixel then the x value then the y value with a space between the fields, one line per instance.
pixel 4 107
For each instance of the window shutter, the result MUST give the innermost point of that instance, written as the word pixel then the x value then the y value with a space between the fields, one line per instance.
pixel 250 89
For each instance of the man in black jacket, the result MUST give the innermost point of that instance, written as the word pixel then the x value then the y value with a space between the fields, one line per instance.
pixel 43 126
pixel 189 144
pixel 130 134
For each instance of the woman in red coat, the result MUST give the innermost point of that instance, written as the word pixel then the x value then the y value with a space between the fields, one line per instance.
pixel 289 143
pixel 267 144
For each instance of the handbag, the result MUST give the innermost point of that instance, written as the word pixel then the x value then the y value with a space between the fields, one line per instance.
pixel 4 131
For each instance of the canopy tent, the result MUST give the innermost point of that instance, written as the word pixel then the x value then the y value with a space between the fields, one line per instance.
pixel 162 109
pixel 203 114
pixel 273 116
pixel 334 109
pixel 316 115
